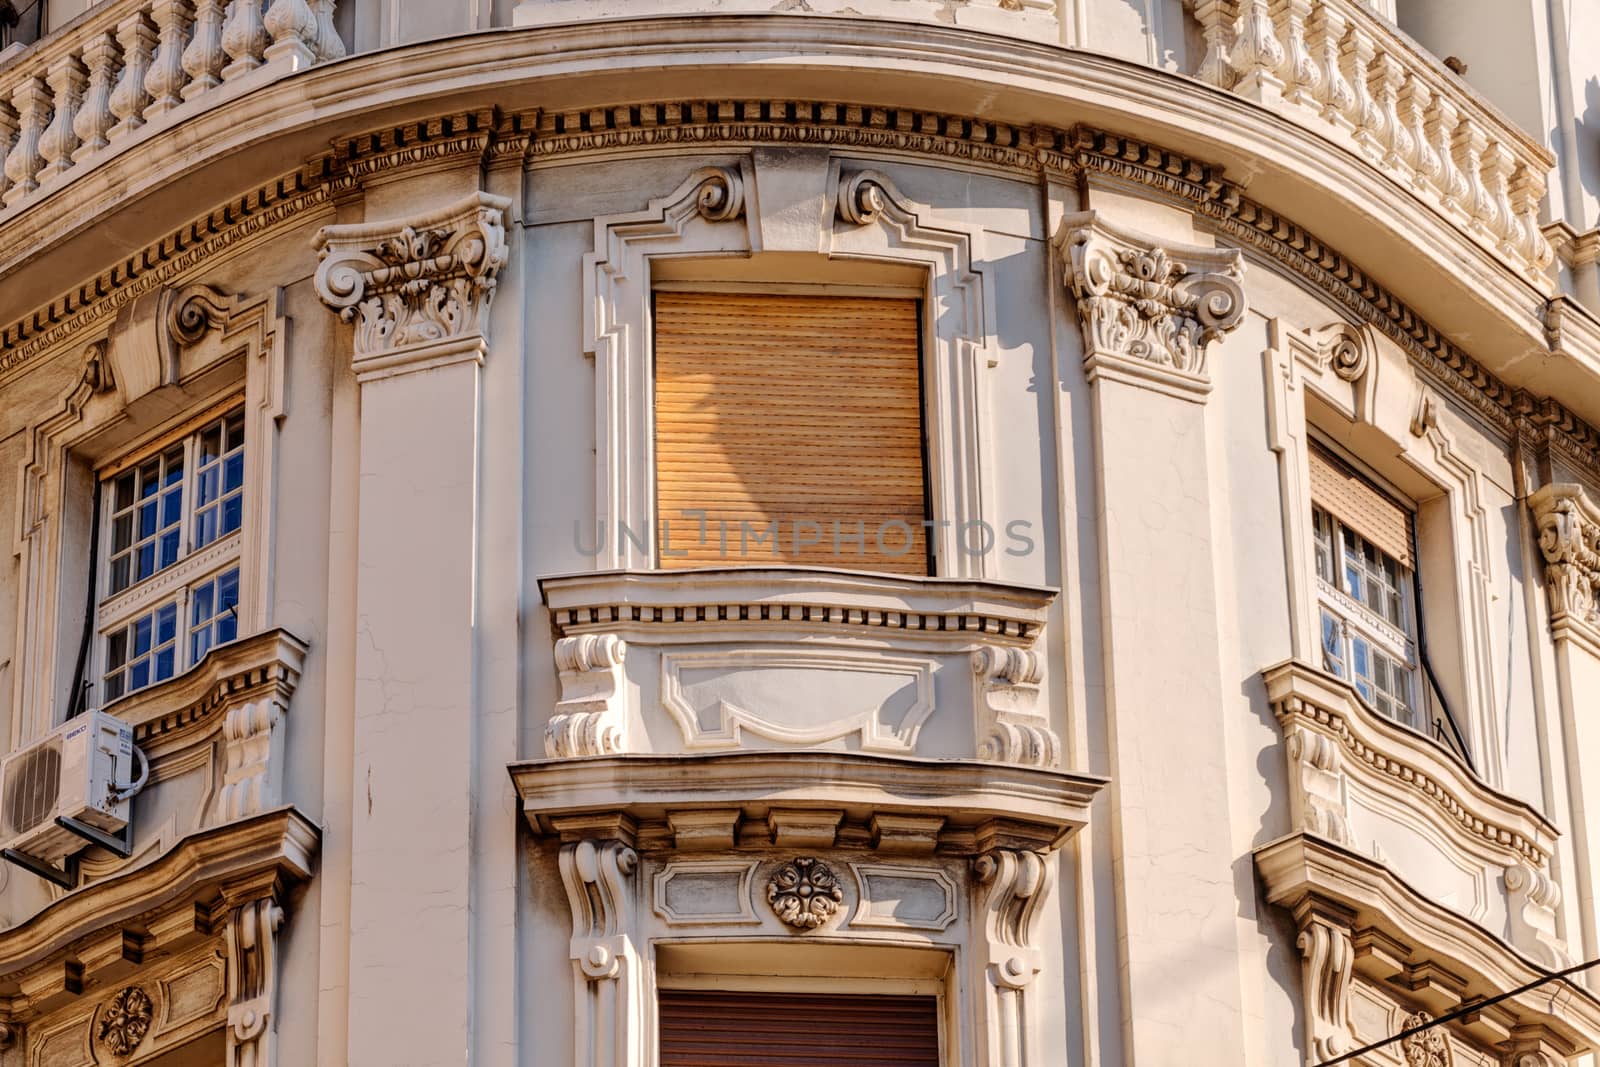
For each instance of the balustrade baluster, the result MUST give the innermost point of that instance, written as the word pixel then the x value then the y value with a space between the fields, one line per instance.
pixel 293 27
pixel 67 78
pixel 1442 123
pixel 328 45
pixel 1257 54
pixel 204 57
pixel 8 140
pixel 1336 96
pixel 164 82
pixel 94 117
pixel 1498 163
pixel 244 38
pixel 1470 143
pixel 1216 19
pixel 137 38
pixel 1398 151
pixel 1365 117
pixel 31 99
pixel 1299 71
pixel 1414 101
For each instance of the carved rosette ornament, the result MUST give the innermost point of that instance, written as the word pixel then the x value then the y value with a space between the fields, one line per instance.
pixel 1569 537
pixel 1148 309
pixel 415 282
pixel 1427 1048
pixel 804 893
pixel 124 1020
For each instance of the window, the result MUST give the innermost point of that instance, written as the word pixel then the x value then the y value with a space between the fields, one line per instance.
pixel 170 519
pixel 1365 593
pixel 788 429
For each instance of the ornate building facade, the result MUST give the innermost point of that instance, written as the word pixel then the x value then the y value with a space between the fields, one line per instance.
pixel 998 533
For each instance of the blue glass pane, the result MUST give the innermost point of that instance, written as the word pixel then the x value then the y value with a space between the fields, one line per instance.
pixel 175 470
pixel 232 513
pixel 201 645
pixel 166 624
pixel 1364 689
pixel 169 548
pixel 205 528
pixel 141 636
pixel 171 509
pixel 139 676
pixel 227 628
pixel 147 560
pixel 208 485
pixel 228 589
pixel 202 604
pixel 1363 658
pixel 233 471
pixel 164 662
pixel 1352 581
pixel 147 519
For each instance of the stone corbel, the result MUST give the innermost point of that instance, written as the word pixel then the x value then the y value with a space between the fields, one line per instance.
pixel 252 939
pixel 185 316
pixel 1012 887
pixel 1149 311
pixel 1011 726
pixel 1317 786
pixel 252 758
pixel 1569 536
pixel 1327 967
pixel 418 289
pixel 607 976
pixel 591 717
pixel 1532 899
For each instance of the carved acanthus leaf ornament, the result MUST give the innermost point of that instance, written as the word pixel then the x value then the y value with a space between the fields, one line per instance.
pixel 1569 537
pixel 1426 1048
pixel 124 1021
pixel 415 281
pixel 1159 304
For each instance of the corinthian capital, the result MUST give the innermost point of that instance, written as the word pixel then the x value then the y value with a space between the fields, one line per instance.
pixel 1149 310
pixel 1569 536
pixel 415 282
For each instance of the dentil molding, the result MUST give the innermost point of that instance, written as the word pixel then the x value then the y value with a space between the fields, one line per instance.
pixel 1149 310
pixel 415 285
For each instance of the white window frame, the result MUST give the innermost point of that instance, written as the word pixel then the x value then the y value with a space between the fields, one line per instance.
pixel 1357 621
pixel 177 583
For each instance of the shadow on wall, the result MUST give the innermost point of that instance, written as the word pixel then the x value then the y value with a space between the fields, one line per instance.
pixel 1588 125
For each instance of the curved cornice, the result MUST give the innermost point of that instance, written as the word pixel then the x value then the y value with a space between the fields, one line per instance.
pixel 1290 172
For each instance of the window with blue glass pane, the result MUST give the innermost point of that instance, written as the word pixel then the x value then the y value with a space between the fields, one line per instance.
pixel 143 652
pixel 146 518
pixel 219 480
pixel 213 611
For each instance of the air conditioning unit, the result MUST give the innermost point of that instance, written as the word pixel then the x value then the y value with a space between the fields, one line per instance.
pixel 81 771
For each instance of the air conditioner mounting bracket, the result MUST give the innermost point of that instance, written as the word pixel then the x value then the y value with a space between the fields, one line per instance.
pixel 67 876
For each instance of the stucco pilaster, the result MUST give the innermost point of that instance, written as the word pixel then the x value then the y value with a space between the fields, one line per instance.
pixel 418 291
pixel 1149 310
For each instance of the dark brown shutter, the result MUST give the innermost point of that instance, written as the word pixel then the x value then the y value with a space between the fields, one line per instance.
pixel 716 1028
pixel 789 409
pixel 1360 505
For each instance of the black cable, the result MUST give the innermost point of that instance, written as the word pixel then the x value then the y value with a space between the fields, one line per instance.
pixel 78 697
pixel 1468 1008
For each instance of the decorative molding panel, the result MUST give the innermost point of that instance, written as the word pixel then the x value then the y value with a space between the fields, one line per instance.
pixel 415 283
pixel 1149 311
pixel 886 699
pixel 903 897
pixel 706 892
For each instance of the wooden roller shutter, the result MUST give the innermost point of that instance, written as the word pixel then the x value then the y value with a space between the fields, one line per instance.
pixel 800 410
pixel 1361 505
pixel 715 1028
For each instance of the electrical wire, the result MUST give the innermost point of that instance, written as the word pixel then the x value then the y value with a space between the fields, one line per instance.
pixel 1465 1009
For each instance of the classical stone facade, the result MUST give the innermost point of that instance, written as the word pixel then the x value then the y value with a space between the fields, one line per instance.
pixel 1241 711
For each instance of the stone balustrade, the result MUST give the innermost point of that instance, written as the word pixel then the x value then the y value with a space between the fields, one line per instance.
pixel 130 68
pixel 1338 67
